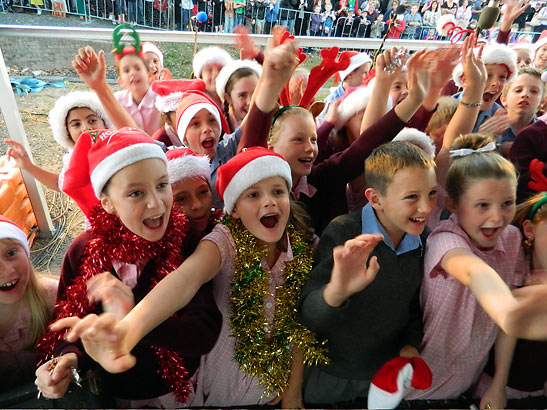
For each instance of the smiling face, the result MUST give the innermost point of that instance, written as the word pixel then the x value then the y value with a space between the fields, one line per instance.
pixel 540 60
pixel 80 119
pixel 140 195
pixel 409 199
pixel 485 209
pixel 203 133
pixel 154 63
pixel 523 96
pixel 239 97
pixel 398 90
pixel 14 272
pixel 194 197
pixel 134 75
pixel 264 209
pixel 297 143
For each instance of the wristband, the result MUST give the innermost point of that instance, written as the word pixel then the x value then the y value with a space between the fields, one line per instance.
pixel 471 105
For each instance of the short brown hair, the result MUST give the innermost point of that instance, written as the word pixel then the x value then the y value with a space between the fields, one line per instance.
pixel 534 72
pixel 446 107
pixel 388 159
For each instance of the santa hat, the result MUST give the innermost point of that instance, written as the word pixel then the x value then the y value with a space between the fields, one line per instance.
pixel 246 169
pixel 148 47
pixel 169 92
pixel 493 53
pixel 356 60
pixel 230 68
pixel 98 155
pixel 445 23
pixel 59 112
pixel 356 99
pixel 522 45
pixel 394 379
pixel 184 164
pixel 10 230
pixel 190 103
pixel 541 41
pixel 209 55
pixel 418 138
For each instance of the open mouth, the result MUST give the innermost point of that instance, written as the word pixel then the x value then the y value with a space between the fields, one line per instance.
pixel 8 286
pixel 208 143
pixel 306 161
pixel 489 233
pixel 270 221
pixel 488 97
pixel 420 220
pixel 153 223
pixel 523 104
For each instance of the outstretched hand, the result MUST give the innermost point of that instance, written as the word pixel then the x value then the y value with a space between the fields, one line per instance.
pixel 419 74
pixel 19 154
pixel 395 58
pixel 350 272
pixel 474 71
pixel 91 67
pixel 280 62
pixel 247 49
pixel 513 9
pixel 114 295
pixel 103 338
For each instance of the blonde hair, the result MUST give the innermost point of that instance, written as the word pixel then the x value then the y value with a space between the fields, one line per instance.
pixel 480 165
pixel 446 107
pixel 523 210
pixel 36 301
pixel 279 120
pixel 534 72
pixel 388 159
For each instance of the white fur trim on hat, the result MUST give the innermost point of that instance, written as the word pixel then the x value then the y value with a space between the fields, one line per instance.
pixel 121 159
pixel 189 113
pixel 418 138
pixel 59 112
pixel 152 48
pixel 355 62
pixel 541 42
pixel 493 53
pixel 357 101
pixel 229 69
pixel 258 169
pixel 9 230
pixel 189 166
pixel 168 103
pixel 443 24
pixel 209 55
pixel 381 399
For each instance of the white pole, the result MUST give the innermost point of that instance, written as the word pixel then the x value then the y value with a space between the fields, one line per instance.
pixel 16 132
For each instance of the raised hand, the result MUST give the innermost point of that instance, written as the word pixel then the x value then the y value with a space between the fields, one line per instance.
pixel 513 9
pixel 54 376
pixel 19 154
pixel 394 58
pixel 350 273
pixel 103 338
pixel 419 75
pixel 90 67
pixel 474 71
pixel 114 295
pixel 495 125
pixel 247 49
pixel 280 62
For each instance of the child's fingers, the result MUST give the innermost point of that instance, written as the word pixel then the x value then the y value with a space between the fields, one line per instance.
pixel 61 370
pixel 64 323
pixel 83 55
pixel 101 58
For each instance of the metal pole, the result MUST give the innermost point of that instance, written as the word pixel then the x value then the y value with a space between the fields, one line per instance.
pixel 16 132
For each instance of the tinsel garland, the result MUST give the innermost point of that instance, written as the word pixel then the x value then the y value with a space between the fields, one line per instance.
pixel 268 356
pixel 111 240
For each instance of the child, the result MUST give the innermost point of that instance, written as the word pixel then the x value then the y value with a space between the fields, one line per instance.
pixel 26 303
pixel 465 254
pixel 154 58
pixel 521 99
pixel 169 94
pixel 206 64
pixel 328 17
pixel 252 361
pixel 370 315
pixel 540 56
pixel 377 28
pixel 398 26
pixel 315 21
pixel 235 85
pixel 525 56
pixel 71 115
pixel 135 240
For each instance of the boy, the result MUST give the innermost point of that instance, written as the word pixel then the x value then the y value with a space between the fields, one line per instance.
pixel 352 76
pixel 369 316
pixel 377 27
pixel 521 99
pixel 207 64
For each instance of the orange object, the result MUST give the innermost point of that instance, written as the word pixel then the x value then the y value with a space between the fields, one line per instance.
pixel 14 200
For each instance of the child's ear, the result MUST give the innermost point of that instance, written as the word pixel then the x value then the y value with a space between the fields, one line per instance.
pixel 450 204
pixel 503 101
pixel 373 198
pixel 529 229
pixel 234 214
pixel 227 98
pixel 107 204
pixel 120 81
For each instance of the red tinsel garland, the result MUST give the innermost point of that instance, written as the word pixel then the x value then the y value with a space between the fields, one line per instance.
pixel 111 240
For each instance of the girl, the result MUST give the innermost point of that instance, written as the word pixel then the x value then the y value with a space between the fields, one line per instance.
pixel 235 85
pixel 134 241
pixel 71 115
pixel 431 14
pixel 463 14
pixel 26 303
pixel 154 58
pixel 260 351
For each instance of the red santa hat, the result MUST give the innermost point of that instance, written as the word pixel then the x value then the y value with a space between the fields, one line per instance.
pixel 183 164
pixel 229 69
pixel 418 138
pixel 356 99
pixel 169 92
pixel 209 55
pixel 63 105
pixel 394 379
pixel 10 230
pixel 98 155
pixel 148 47
pixel 541 41
pixel 190 103
pixel 246 169
pixel 356 60
pixel 493 53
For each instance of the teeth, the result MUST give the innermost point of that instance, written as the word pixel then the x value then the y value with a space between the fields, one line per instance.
pixel 8 284
pixel 418 219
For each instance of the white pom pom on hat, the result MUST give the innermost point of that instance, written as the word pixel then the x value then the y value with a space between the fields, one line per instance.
pixel 418 138
pixel 209 55
pixel 184 164
pixel 356 99
pixel 76 99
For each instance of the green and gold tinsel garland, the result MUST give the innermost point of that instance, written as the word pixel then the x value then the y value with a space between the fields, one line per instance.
pixel 259 353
